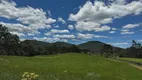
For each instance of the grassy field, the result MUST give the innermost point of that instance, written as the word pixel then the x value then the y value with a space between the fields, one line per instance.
pixel 132 59
pixel 67 67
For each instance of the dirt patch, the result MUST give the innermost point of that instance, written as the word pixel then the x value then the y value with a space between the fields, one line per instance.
pixel 139 67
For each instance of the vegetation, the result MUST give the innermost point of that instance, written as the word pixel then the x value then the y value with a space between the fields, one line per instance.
pixel 135 51
pixel 132 59
pixel 67 67
pixel 11 45
pixel 29 76
pixel 64 66
pixel 107 51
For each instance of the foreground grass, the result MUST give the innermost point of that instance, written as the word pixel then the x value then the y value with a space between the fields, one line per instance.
pixel 67 67
pixel 132 59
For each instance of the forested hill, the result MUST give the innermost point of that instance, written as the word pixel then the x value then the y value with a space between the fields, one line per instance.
pixel 95 46
pixel 36 44
pixel 41 44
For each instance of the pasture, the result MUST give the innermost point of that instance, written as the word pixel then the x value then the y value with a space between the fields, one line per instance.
pixel 132 59
pixel 70 66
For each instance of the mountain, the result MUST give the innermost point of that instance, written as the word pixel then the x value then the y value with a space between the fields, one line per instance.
pixel 94 46
pixel 62 44
pixel 37 44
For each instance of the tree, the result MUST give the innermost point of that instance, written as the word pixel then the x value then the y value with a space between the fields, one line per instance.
pixel 74 48
pixel 27 49
pixel 134 51
pixel 8 41
pixel 106 51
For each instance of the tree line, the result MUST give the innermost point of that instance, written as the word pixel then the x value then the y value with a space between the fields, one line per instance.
pixel 135 51
pixel 11 45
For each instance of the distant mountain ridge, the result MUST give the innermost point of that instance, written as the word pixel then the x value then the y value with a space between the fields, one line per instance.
pixel 93 46
pixel 41 44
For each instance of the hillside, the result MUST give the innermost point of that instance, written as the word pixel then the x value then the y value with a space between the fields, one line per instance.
pixel 62 44
pixel 67 67
pixel 37 44
pixel 94 46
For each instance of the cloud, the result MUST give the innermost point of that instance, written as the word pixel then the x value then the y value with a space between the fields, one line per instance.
pixel 56 31
pixel 139 40
pixel 22 39
pixel 30 34
pixel 65 36
pixel 90 26
pixel 48 34
pixel 99 13
pixel 71 27
pixel 130 26
pixel 31 18
pixel 120 43
pixel 59 31
pixel 17 33
pixel 89 36
pixel 126 29
pixel 61 20
pixel 102 28
pixel 127 32
pixel 57 26
pixel 84 36
pixel 19 28
pixel 49 13
pixel 112 32
pixel 114 29
pixel 46 39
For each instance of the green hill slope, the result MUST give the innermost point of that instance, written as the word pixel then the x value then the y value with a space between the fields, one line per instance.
pixel 67 67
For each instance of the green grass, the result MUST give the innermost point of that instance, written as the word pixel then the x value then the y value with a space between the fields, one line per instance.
pixel 67 67
pixel 132 59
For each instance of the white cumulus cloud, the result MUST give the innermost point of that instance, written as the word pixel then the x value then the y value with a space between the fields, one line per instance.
pixel 32 19
pixel 92 15
pixel 61 20
pixel 65 36
pixel 71 27
pixel 89 36
pixel 130 26
pixel 59 31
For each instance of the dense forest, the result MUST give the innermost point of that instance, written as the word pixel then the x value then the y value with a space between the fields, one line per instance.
pixel 11 45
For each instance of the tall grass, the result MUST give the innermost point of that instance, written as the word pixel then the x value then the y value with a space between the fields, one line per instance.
pixel 67 67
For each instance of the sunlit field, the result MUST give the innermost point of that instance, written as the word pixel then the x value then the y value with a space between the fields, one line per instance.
pixel 67 67
pixel 132 59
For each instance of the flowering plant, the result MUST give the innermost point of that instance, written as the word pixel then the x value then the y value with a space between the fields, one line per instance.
pixel 29 76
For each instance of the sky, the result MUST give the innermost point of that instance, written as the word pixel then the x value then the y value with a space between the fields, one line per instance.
pixel 115 22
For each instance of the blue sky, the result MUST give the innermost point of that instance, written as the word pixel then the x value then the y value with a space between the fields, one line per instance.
pixel 116 22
